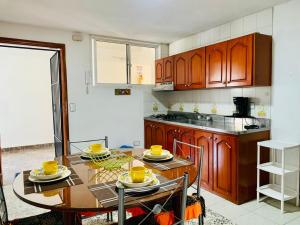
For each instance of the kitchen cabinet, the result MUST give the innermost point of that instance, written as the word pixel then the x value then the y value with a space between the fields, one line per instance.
pixel 164 70
pixel 240 62
pixel 189 70
pixel 224 165
pixel 154 134
pixel 159 65
pixel 206 140
pixel 229 161
pixel 181 73
pixel 216 56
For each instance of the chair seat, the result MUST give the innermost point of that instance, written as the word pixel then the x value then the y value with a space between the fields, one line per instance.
pixel 50 218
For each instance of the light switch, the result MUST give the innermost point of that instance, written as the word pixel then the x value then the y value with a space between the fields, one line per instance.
pixel 72 107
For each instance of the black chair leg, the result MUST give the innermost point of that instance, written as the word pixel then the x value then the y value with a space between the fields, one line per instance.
pixel 201 220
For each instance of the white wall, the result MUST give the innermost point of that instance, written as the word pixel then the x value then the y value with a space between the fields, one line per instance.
pixel 25 97
pixel 286 76
pixel 100 112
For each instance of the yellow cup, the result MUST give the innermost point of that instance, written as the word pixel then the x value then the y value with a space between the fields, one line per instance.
pixel 96 148
pixel 137 174
pixel 156 149
pixel 50 167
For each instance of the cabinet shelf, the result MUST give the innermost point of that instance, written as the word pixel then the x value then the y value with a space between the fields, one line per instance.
pixel 273 190
pixel 275 168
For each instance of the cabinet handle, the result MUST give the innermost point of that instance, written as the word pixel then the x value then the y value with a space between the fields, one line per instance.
pixel 224 82
pixel 210 138
pixel 216 139
pixel 228 81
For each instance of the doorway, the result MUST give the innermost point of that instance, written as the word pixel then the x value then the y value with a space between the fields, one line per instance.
pixel 35 93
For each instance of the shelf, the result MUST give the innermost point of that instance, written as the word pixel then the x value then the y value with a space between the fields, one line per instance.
pixel 278 145
pixel 273 190
pixel 275 168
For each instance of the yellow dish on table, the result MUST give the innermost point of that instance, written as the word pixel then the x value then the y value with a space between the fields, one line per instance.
pixel 156 149
pixel 137 174
pixel 96 148
pixel 50 167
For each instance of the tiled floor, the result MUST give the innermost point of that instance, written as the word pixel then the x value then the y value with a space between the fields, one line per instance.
pixel 251 213
pixel 19 160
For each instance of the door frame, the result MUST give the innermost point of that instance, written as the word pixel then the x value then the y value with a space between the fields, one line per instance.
pixel 63 76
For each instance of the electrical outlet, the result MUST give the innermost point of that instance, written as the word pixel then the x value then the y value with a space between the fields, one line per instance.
pixel 72 107
pixel 136 143
pixel 123 91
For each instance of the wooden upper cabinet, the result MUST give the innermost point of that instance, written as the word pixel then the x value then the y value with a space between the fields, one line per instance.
pixel 168 69
pixel 196 69
pixel 181 71
pixel 216 56
pixel 240 61
pixel 225 166
pixel 206 140
pixel 159 70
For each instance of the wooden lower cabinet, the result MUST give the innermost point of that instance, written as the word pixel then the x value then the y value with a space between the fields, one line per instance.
pixel 205 139
pixel 229 161
pixel 224 165
pixel 154 134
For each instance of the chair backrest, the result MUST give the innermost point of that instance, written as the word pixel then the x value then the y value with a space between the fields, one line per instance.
pixel 78 144
pixel 195 154
pixel 3 208
pixel 178 183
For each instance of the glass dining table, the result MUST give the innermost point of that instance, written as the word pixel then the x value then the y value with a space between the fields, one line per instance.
pixel 73 199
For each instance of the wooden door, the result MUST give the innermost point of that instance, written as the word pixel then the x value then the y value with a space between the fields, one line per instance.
pixel 159 71
pixel 240 61
pixel 158 134
pixel 206 140
pixel 187 136
pixel 170 134
pixel 196 69
pixel 181 71
pixel 168 69
pixel 148 127
pixel 224 166
pixel 216 65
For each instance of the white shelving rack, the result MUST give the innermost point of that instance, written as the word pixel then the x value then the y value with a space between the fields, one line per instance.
pixel 279 192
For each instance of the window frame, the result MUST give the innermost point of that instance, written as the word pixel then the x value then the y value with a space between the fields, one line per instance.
pixel 128 44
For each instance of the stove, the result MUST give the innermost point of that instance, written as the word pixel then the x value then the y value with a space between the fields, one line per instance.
pixel 168 117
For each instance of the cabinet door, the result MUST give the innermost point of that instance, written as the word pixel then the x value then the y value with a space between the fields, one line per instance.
pixel 159 71
pixel 239 61
pixel 216 65
pixel 224 171
pixel 186 136
pixel 168 69
pixel 197 69
pixel 148 127
pixel 170 134
pixel 206 140
pixel 158 134
pixel 181 71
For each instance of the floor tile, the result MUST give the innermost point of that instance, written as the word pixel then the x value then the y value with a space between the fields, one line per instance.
pixel 294 222
pixel 229 210
pixel 253 219
pixel 272 212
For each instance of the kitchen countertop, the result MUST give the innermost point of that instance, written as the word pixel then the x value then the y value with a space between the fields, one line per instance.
pixel 217 126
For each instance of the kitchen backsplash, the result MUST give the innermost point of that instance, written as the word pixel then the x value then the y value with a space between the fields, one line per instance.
pixel 213 101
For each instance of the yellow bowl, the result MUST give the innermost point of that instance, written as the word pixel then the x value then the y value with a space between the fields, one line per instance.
pixel 50 167
pixel 96 148
pixel 156 150
pixel 137 174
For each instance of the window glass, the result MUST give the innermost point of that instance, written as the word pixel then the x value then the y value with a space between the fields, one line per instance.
pixel 142 65
pixel 111 63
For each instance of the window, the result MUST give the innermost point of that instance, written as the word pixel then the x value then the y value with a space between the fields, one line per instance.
pixel 123 63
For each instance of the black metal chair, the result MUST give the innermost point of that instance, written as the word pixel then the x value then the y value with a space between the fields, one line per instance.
pixel 194 154
pixel 77 144
pixel 178 183
pixel 50 218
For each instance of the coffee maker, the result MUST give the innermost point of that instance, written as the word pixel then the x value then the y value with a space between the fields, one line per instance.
pixel 242 107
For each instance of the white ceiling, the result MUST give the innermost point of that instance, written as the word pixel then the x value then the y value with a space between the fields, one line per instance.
pixel 151 20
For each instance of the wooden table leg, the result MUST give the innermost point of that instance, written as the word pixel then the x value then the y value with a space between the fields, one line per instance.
pixel 69 218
